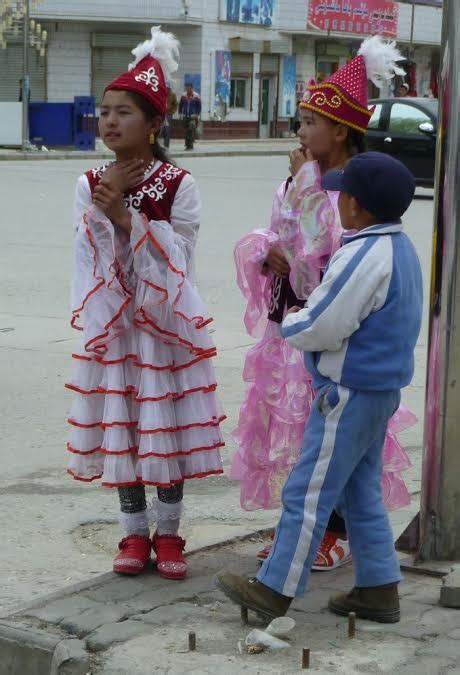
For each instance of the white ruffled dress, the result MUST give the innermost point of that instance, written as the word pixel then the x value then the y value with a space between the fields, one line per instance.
pixel 145 408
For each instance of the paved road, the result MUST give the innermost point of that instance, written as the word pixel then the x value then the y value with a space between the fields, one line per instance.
pixel 58 531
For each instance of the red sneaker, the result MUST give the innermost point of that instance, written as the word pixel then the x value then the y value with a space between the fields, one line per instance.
pixel 134 555
pixel 332 553
pixel 170 559
pixel 265 552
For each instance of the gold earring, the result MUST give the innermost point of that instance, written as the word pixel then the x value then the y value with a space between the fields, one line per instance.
pixel 152 139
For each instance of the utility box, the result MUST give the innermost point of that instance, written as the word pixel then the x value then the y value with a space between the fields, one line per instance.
pixel 10 124
pixel 84 122
pixel 66 124
pixel 51 123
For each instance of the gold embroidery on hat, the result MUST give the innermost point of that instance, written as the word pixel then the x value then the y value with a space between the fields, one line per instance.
pixel 304 105
pixel 328 85
pixel 321 99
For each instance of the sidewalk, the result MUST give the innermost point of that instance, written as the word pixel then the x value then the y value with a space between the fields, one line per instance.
pixel 115 625
pixel 250 147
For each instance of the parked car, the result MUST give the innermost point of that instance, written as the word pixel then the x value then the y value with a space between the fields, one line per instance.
pixel 406 128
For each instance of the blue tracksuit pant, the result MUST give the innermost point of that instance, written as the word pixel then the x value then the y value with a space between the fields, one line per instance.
pixel 340 466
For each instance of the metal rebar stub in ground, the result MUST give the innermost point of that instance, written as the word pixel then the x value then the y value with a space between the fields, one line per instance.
pixel 351 625
pixel 244 616
pixel 305 659
pixel 192 642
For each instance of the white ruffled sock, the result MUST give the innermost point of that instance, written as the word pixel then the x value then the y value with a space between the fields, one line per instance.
pixel 135 523
pixel 167 516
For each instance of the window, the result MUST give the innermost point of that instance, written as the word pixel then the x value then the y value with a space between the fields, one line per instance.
pixel 375 119
pixel 406 119
pixel 239 87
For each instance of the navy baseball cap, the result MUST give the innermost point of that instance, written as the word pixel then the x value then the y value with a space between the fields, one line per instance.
pixel 380 184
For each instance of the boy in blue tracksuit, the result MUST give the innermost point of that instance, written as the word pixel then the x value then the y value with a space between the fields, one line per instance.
pixel 358 331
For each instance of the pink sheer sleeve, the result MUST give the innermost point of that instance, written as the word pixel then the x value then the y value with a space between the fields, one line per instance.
pixel 252 279
pixel 310 230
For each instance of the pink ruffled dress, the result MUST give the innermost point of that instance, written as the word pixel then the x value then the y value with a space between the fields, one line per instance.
pixel 145 408
pixel 306 224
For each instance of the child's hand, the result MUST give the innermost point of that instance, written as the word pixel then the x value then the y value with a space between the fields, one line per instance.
pixel 111 203
pixel 294 310
pixel 276 261
pixel 297 159
pixel 123 175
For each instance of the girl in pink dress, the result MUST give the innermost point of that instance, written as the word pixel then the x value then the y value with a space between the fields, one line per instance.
pixel 278 268
pixel 145 409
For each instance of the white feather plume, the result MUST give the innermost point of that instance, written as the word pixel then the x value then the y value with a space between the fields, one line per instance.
pixel 380 57
pixel 164 47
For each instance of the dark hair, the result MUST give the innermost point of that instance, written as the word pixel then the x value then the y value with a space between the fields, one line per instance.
pixel 356 142
pixel 150 113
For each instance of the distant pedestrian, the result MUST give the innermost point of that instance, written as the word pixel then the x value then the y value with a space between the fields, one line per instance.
pixel 403 90
pixel 145 410
pixel 171 109
pixel 190 111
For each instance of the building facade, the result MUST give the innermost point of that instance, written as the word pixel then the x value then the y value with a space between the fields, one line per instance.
pixel 249 59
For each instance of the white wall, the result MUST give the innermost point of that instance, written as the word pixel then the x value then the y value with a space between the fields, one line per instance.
pixel 292 15
pixel 69 61
pixel 150 11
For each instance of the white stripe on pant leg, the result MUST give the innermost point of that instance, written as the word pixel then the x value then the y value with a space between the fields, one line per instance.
pixel 313 493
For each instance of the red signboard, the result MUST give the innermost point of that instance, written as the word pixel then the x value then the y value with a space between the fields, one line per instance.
pixel 367 17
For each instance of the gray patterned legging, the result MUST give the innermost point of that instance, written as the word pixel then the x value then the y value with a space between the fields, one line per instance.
pixel 132 498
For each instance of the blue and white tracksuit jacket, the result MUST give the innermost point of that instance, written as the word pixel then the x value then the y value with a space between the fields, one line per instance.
pixel 358 331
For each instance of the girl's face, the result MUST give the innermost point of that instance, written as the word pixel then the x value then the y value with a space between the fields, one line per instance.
pixel 122 124
pixel 317 133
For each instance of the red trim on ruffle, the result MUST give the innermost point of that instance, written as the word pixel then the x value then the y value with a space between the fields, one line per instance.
pixel 212 353
pixel 140 481
pixel 182 453
pixel 76 312
pixel 150 322
pixel 196 425
pixel 160 455
pixel 100 390
pixel 201 322
pixel 176 396
pixel 103 348
pixel 84 453
pixel 146 399
pixel 104 425
pixel 85 480
pixel 104 362
pixel 212 423
pixel 139 364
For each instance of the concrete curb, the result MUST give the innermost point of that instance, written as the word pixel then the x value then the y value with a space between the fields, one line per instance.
pixel 28 651
pixel 39 156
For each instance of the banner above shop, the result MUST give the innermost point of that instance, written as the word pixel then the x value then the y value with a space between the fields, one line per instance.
pixel 366 17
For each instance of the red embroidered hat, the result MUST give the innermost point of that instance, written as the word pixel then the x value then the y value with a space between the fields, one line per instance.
pixel 155 61
pixel 343 97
